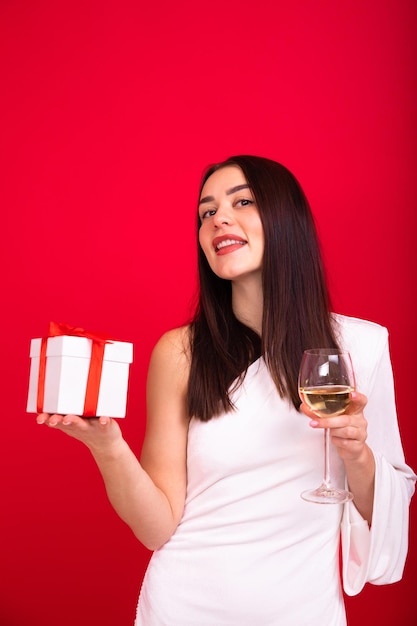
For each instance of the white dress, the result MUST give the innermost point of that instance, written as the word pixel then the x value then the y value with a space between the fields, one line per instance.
pixel 248 550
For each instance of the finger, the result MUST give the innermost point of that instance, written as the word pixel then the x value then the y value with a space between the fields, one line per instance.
pixel 350 433
pixel 54 420
pixel 307 410
pixel 70 420
pixel 358 401
pixel 57 420
pixel 42 418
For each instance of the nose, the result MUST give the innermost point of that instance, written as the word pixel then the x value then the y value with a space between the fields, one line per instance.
pixel 223 216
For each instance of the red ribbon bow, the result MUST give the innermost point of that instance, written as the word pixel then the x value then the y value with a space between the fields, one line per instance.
pixel 94 373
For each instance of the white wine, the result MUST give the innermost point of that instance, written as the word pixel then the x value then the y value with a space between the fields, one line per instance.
pixel 327 400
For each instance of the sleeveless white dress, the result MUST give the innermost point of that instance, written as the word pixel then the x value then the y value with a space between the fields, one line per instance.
pixel 248 550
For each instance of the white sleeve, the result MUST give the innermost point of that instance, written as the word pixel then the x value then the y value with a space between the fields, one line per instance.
pixel 377 554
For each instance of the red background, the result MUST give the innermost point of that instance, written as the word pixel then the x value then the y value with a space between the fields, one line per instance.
pixel 109 113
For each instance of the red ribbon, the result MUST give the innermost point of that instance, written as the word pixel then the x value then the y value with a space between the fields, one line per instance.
pixel 94 373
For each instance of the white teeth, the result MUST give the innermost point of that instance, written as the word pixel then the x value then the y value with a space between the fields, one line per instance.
pixel 229 242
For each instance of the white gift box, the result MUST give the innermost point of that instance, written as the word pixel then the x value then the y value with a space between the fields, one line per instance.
pixel 66 374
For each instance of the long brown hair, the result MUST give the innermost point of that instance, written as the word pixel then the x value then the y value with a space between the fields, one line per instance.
pixel 296 302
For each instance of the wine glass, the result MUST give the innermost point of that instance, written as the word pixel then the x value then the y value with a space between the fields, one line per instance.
pixel 325 382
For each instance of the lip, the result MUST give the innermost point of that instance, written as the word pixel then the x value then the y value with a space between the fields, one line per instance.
pixel 231 237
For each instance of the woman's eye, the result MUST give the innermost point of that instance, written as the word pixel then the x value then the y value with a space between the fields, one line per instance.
pixel 208 213
pixel 244 202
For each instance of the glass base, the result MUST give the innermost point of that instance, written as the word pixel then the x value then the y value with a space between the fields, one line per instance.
pixel 327 495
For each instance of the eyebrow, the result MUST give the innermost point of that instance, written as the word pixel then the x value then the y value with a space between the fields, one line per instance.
pixel 229 192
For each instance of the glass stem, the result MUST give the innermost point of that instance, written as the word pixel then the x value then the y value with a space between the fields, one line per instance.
pixel 327 481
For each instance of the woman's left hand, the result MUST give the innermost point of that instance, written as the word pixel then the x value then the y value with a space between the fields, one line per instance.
pixel 348 431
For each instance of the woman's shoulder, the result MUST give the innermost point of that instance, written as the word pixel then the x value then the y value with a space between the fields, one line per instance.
pixel 359 335
pixel 358 325
pixel 177 339
pixel 172 350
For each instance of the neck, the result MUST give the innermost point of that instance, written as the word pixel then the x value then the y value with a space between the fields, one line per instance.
pixel 247 303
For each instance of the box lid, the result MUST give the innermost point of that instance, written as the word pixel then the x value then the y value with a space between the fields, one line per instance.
pixel 66 345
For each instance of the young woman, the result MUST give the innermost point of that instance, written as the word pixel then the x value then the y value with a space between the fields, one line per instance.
pixel 216 493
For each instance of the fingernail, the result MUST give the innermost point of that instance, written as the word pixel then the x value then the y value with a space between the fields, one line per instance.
pixel 313 423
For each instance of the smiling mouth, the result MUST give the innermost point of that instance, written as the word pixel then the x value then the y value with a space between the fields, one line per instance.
pixel 229 242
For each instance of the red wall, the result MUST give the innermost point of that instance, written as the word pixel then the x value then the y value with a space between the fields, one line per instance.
pixel 109 112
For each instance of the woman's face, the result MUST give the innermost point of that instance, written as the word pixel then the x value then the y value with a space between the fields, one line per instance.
pixel 231 233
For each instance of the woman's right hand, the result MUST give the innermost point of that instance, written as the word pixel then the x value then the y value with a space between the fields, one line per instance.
pixel 97 433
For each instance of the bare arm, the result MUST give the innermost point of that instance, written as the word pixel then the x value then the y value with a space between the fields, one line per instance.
pixel 149 496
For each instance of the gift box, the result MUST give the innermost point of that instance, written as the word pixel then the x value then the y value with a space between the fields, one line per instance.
pixel 74 371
